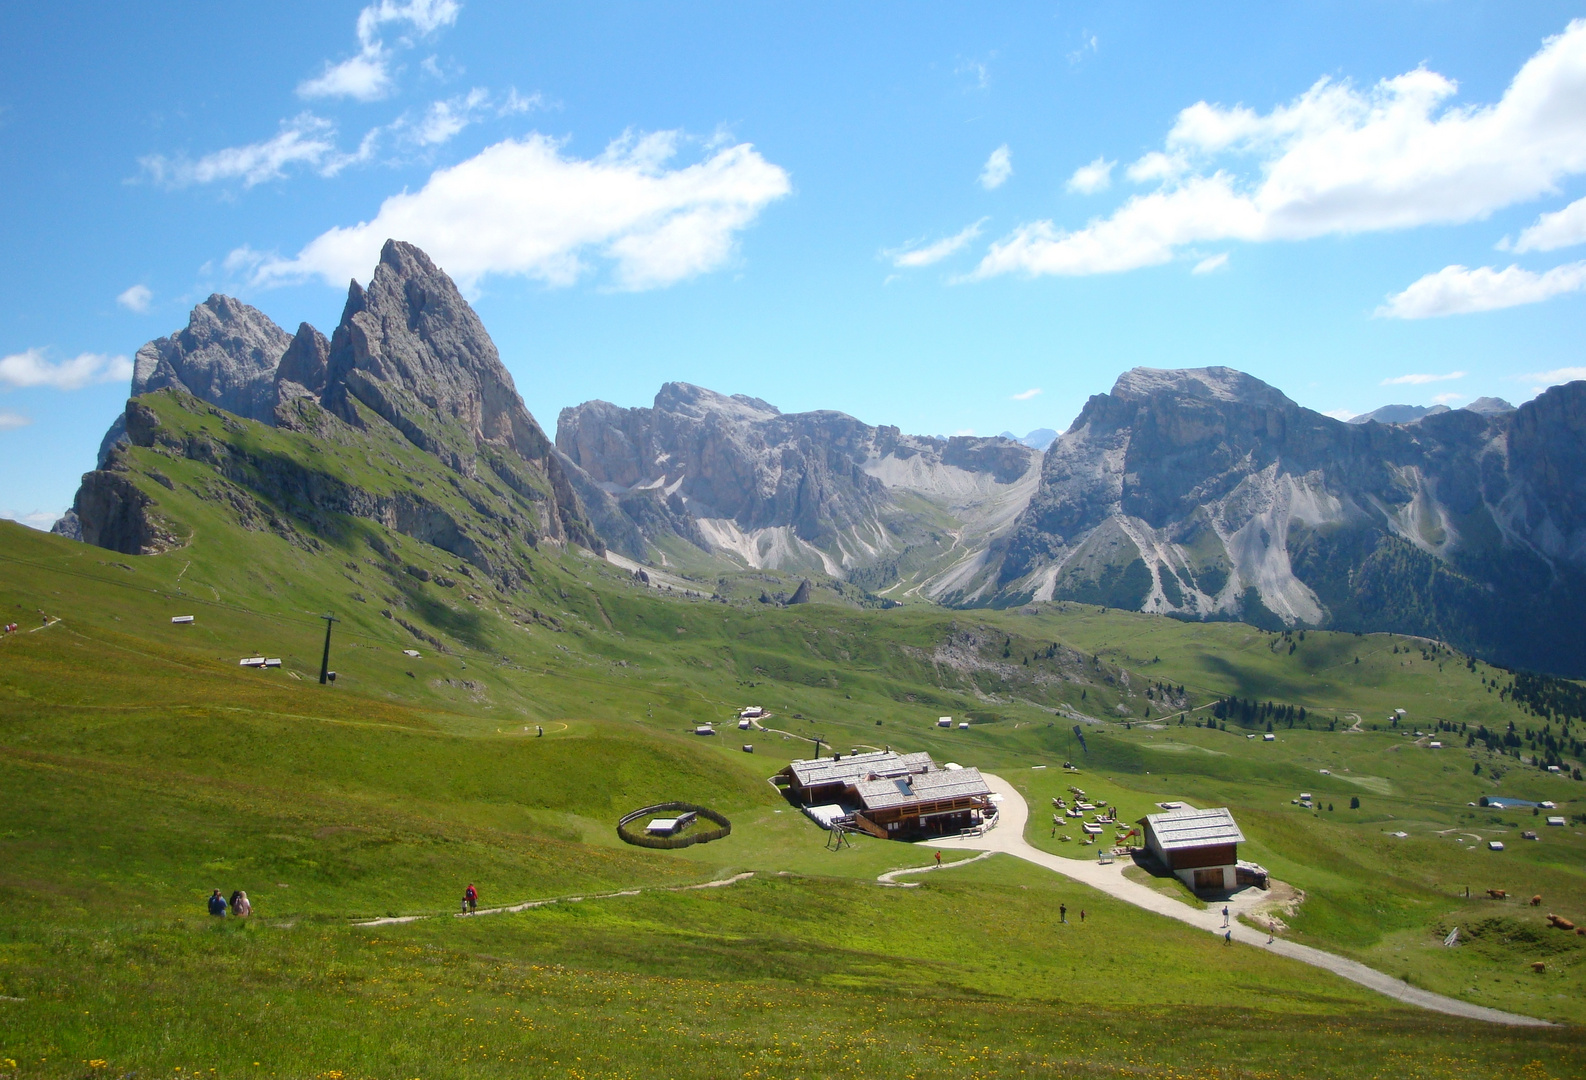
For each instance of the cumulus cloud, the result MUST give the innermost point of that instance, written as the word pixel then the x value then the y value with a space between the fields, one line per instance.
pixel 523 207
pixel 1024 395
pixel 1447 399
pixel 1089 179
pixel 1341 414
pixel 303 140
pixel 1422 379
pixel 910 257
pixel 998 167
pixel 1336 160
pixel 136 298
pixel 366 76
pixel 1562 228
pixel 10 421
pixel 1210 263
pixel 33 368
pixel 1459 290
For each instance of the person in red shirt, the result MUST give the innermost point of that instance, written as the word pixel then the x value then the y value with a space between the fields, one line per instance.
pixel 471 899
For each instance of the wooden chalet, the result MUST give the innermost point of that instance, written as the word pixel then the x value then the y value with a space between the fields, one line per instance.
pixel 892 796
pixel 1199 846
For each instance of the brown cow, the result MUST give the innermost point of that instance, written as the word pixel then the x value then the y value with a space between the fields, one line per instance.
pixel 1536 901
pixel 1560 921
pixel 1539 966
pixel 1497 894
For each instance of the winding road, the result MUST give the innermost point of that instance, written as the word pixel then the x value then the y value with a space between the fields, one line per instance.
pixel 1008 838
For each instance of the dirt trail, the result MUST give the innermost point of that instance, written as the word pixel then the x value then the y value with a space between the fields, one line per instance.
pixel 1008 837
pixel 527 904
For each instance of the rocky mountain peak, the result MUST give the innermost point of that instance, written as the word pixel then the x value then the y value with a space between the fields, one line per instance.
pixel 413 351
pixel 227 355
pixel 687 399
pixel 1209 383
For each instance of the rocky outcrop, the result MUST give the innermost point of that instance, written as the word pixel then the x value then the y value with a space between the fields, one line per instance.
pixel 736 476
pixel 303 367
pixel 1209 494
pixel 112 512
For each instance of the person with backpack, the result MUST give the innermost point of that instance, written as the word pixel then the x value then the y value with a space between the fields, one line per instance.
pixel 471 899
pixel 217 904
pixel 240 906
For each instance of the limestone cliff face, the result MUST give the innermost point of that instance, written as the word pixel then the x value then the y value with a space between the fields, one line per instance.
pixel 1206 493
pixel 735 475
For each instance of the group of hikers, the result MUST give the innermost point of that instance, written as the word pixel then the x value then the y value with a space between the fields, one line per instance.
pixel 238 904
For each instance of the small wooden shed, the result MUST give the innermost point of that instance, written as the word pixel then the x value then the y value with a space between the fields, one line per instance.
pixel 1199 846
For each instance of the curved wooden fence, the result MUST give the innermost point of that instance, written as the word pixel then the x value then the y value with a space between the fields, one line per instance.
pixel 703 836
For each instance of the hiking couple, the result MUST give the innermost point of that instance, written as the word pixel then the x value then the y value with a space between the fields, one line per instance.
pixel 470 900
pixel 238 904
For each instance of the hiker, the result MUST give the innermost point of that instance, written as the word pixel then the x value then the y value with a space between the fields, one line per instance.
pixel 539 732
pixel 217 904
pixel 1225 914
pixel 1272 931
pixel 1062 913
pixel 938 858
pixel 471 899
pixel 240 905
pixel 1228 936
pixel 232 901
pixel 1081 914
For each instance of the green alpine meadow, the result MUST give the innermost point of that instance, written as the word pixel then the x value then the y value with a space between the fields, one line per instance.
pixel 518 559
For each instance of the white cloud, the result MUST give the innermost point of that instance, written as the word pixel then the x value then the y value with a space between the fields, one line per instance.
pixel 913 257
pixel 1544 379
pixel 1210 263
pixel 10 421
pixel 1422 379
pixel 998 167
pixel 446 118
pixel 136 298
pixel 305 139
pixel 1341 414
pixel 522 207
pixel 965 431
pixel 366 76
pixel 1562 228
pixel 1089 179
pixel 33 368
pixel 978 70
pixel 1446 399
pixel 1459 290
pixel 37 519
pixel 1088 43
pixel 1336 160
pixel 1025 395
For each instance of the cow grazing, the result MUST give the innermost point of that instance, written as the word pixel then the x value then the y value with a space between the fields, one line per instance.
pixel 1536 901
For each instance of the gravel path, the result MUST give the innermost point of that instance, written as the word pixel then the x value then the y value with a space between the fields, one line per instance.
pixel 1008 837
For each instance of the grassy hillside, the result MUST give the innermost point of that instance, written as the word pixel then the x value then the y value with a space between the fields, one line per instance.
pixel 140 767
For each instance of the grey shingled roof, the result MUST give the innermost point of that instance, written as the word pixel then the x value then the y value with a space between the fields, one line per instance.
pixel 859 767
pixel 1179 829
pixel 921 788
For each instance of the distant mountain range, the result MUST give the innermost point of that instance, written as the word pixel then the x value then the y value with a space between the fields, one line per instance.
pixel 1411 414
pixel 1201 494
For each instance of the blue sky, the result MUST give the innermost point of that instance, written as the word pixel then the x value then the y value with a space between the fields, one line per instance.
pixel 915 213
